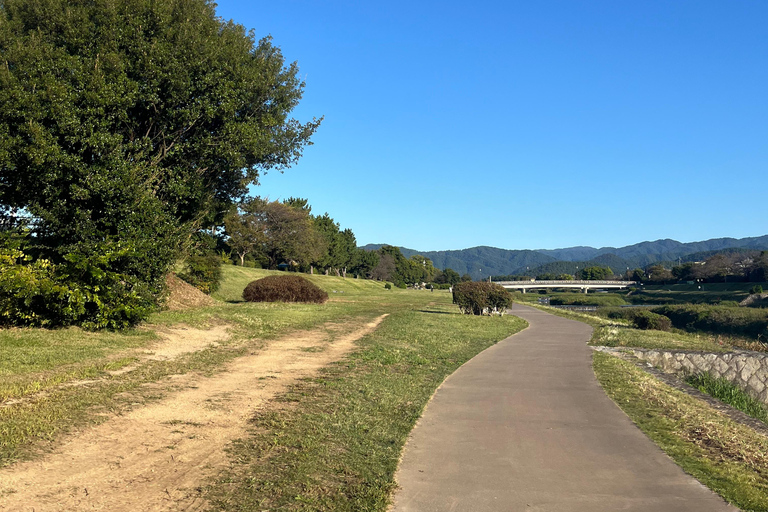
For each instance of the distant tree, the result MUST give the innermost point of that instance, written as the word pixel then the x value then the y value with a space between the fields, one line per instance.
pixel 424 270
pixel 245 233
pixel 298 203
pixel 684 272
pixel 363 263
pixel 465 278
pixel 594 273
pixel 554 277
pixel 758 269
pixel 385 268
pixel 447 276
pixel 280 232
pixel 659 274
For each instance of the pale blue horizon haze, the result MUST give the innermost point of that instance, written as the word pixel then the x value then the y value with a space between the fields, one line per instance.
pixel 527 125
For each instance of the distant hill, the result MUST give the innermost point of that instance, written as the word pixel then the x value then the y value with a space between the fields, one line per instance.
pixel 484 261
pixel 618 265
pixel 645 253
pixel 478 261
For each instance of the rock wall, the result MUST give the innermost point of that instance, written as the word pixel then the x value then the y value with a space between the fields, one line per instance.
pixel 748 370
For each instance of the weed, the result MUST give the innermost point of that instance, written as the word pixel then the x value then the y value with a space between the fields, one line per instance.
pixel 729 393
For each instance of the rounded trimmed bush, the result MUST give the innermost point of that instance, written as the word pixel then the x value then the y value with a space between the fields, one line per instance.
pixel 648 320
pixel 291 288
pixel 479 298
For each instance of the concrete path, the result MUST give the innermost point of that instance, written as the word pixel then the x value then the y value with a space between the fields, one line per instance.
pixel 525 426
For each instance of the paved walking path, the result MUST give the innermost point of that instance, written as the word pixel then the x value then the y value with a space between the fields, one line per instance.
pixel 525 426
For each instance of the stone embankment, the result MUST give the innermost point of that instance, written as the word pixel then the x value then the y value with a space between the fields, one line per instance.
pixel 755 297
pixel 748 370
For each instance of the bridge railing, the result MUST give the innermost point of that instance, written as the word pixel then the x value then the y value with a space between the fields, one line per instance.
pixel 555 284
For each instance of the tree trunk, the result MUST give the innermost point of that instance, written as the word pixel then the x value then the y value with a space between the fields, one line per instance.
pixel 311 270
pixel 344 272
pixel 242 259
pixel 337 272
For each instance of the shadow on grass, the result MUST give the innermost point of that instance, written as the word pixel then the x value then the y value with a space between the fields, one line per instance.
pixel 438 312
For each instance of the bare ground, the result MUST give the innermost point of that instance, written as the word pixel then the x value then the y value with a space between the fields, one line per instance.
pixel 155 458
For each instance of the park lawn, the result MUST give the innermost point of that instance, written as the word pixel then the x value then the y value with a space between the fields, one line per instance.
pixel 40 369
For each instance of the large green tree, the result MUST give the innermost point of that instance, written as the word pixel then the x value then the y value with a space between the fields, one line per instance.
pixel 136 121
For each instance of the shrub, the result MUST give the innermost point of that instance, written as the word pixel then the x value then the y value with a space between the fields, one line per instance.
pixel 648 320
pixel 82 290
pixel 756 289
pixel 387 286
pixel 481 298
pixel 587 299
pixel 641 318
pixel 285 288
pixel 401 285
pixel 203 271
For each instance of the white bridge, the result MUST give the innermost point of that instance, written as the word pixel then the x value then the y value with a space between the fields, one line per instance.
pixel 581 285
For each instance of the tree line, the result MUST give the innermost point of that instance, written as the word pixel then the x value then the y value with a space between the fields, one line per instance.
pixel 741 266
pixel 286 235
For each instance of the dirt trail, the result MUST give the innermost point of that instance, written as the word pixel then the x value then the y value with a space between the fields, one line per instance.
pixel 154 458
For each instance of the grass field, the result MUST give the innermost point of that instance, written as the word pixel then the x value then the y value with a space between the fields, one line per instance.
pixel 342 432
pixel 704 293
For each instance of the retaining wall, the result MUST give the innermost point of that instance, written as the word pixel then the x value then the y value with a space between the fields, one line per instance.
pixel 748 370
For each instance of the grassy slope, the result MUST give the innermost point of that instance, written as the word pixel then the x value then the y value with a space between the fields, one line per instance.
pixel 729 458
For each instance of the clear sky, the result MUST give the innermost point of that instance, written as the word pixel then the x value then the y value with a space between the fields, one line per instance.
pixel 527 124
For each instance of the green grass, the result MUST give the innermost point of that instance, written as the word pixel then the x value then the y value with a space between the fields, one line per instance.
pixel 335 441
pixel 235 279
pixel 32 360
pixel 38 366
pixel 586 299
pixel 619 333
pixel 729 458
pixel 729 393
pixel 710 293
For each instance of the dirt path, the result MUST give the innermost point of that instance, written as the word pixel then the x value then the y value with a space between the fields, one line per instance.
pixel 155 458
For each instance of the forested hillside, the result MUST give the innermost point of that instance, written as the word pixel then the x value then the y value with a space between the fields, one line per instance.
pixel 484 261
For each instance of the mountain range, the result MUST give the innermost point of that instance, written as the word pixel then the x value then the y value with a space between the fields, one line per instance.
pixel 483 261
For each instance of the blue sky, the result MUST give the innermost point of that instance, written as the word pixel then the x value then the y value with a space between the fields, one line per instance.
pixel 527 125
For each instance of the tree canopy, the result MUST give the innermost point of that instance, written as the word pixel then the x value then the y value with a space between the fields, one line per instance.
pixel 125 127
pixel 126 117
